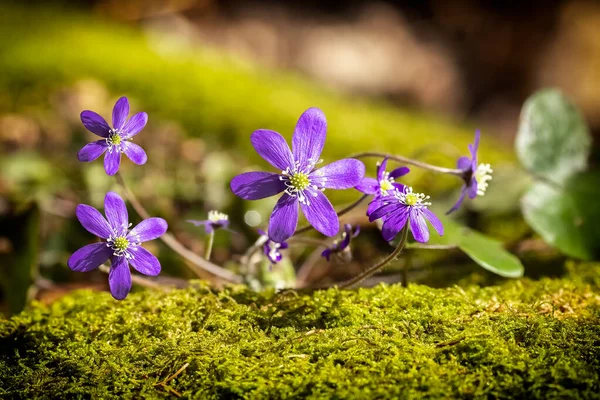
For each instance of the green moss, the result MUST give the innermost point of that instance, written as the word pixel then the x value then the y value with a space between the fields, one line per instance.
pixel 523 339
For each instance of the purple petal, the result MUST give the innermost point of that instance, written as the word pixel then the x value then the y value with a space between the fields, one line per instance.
pixel 120 113
pixel 92 151
pixel 398 186
pixel 418 225
pixel 273 148
pixel 93 221
pixel 320 213
pixel 464 163
pixel 342 174
pixel 135 153
pixel 119 278
pixel 144 262
pixel 149 229
pixel 284 219
pixel 393 225
pixel 434 221
pixel 326 253
pixel 116 211
pixel 398 172
pixel 476 143
pixel 463 193
pixel 89 257
pixel 368 186
pixel 381 169
pixel 309 136
pixel 95 123
pixel 384 209
pixel 134 125
pixel 256 185
pixel 472 188
pixel 112 160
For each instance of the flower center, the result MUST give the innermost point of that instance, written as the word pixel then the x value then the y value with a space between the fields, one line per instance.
pixel 120 244
pixel 115 141
pixel 216 216
pixel 483 174
pixel 409 198
pixel 385 185
pixel 299 181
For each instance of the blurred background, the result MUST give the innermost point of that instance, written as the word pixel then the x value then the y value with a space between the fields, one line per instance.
pixel 409 77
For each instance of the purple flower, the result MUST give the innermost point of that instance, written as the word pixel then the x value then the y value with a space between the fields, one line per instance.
pixel 476 177
pixel 121 244
pixel 341 247
pixel 383 185
pixel 298 179
pixel 115 140
pixel 271 249
pixel 216 220
pixel 405 206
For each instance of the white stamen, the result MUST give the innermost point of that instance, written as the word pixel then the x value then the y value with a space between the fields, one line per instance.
pixel 483 174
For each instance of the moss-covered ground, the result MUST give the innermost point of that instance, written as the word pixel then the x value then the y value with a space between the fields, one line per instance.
pixel 522 339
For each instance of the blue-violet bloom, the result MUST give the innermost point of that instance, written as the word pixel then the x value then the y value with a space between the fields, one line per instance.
pixel 341 248
pixel 121 244
pixel 271 249
pixel 383 185
pixel 476 176
pixel 406 206
pixel 298 179
pixel 216 220
pixel 115 140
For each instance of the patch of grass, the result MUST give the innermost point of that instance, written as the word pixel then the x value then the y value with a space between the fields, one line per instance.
pixel 523 339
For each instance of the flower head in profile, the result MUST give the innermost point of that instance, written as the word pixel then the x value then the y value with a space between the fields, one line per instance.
pixel 341 248
pixel 384 184
pixel 476 176
pixel 271 249
pixel 402 207
pixel 216 220
pixel 121 244
pixel 115 140
pixel 298 179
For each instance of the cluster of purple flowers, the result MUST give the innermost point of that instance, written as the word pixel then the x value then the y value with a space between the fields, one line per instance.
pixel 299 181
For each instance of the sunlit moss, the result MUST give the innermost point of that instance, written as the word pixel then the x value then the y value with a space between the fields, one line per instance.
pixel 523 339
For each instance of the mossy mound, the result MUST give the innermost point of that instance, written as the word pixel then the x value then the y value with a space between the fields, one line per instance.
pixel 523 339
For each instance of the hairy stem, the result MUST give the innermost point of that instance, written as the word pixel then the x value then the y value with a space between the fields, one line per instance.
pixel 431 246
pixel 379 266
pixel 410 161
pixel 343 211
pixel 197 264
pixel 210 239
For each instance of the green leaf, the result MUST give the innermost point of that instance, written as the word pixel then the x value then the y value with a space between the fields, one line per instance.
pixel 567 217
pixel 553 140
pixel 485 251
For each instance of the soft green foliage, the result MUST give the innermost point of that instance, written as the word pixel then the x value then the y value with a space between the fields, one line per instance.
pixel 213 96
pixel 523 339
pixel 485 251
pixel 553 140
pixel 567 217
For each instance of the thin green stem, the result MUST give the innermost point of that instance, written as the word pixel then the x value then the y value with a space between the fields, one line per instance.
pixel 210 239
pixel 343 211
pixel 431 246
pixel 379 266
pixel 410 161
pixel 196 263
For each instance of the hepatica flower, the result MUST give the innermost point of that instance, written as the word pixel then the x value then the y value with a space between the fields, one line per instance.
pixel 216 220
pixel 115 140
pixel 298 179
pixel 402 207
pixel 383 185
pixel 341 248
pixel 120 244
pixel 476 176
pixel 271 249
